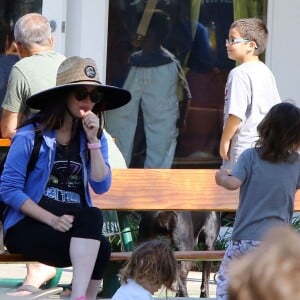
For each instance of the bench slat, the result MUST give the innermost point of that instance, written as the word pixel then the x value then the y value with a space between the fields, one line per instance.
pixel 120 256
pixel 8 258
pixel 168 189
pixel 179 255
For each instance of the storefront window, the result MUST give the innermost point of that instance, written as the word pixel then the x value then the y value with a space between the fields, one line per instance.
pixel 197 40
pixel 11 10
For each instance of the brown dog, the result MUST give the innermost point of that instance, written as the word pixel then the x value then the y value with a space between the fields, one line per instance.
pixel 184 230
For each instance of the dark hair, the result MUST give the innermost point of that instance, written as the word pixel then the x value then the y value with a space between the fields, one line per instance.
pixel 160 25
pixel 279 133
pixel 6 36
pixel 152 261
pixel 53 117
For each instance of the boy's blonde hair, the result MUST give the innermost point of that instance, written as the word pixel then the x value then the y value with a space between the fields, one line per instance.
pixel 269 272
pixel 254 30
pixel 153 262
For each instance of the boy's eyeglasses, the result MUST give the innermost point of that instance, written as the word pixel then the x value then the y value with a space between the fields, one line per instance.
pixel 233 41
pixel 81 93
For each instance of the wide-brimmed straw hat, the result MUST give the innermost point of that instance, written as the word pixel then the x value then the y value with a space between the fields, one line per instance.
pixel 76 71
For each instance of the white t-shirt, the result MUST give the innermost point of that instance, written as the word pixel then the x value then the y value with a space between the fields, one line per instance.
pixel 250 93
pixel 132 291
pixel 115 157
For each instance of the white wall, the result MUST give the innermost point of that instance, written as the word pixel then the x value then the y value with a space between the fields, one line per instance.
pixel 86 31
pixel 81 28
pixel 55 11
pixel 283 49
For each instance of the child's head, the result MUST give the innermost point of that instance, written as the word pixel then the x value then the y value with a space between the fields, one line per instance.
pixel 152 263
pixel 253 30
pixel 279 133
pixel 269 272
pixel 159 26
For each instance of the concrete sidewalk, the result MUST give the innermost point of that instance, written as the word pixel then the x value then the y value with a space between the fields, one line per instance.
pixel 18 271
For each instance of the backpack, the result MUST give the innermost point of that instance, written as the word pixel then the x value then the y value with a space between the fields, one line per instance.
pixel 38 138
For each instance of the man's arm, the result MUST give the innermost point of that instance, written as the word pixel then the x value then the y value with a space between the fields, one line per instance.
pixel 231 125
pixel 9 121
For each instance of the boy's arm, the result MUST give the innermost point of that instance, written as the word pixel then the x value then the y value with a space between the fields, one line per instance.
pixel 231 125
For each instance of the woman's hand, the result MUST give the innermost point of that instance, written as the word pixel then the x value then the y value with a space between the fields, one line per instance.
pixel 63 223
pixel 91 125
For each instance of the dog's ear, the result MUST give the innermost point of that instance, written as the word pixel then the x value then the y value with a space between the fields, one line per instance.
pixel 167 220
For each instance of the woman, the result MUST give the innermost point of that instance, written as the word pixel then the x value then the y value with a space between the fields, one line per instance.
pixel 51 218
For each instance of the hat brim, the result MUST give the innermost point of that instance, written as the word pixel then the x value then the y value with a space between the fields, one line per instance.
pixel 113 97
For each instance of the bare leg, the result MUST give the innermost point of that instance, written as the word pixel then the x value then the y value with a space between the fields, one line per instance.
pixel 37 274
pixel 93 289
pixel 83 253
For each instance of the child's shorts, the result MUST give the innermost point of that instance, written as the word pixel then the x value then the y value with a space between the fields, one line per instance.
pixel 234 250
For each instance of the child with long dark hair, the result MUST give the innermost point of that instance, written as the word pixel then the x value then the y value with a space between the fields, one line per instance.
pixel 268 176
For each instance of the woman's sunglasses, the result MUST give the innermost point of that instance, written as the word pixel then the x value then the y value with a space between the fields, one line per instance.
pixel 81 93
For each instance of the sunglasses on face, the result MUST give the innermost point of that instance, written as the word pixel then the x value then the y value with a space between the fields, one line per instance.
pixel 82 93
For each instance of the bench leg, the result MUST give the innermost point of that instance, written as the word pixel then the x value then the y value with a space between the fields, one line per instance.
pixel 111 280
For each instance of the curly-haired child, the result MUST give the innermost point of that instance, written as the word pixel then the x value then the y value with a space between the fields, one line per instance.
pixel 151 266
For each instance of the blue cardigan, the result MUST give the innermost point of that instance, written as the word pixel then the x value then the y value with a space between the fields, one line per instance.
pixel 15 189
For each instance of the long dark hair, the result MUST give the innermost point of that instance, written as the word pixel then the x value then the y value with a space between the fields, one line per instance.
pixel 52 118
pixel 6 36
pixel 279 133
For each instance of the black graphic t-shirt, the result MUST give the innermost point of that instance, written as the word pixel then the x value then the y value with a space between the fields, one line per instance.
pixel 65 191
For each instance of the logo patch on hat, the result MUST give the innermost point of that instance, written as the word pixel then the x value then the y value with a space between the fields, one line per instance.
pixel 90 71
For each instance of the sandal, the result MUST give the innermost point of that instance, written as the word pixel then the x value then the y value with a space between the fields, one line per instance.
pixel 33 292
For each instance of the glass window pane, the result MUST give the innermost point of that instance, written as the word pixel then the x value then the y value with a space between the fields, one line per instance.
pixel 197 41
pixel 12 10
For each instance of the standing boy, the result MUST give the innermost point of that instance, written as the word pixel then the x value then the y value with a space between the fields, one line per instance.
pixel 250 89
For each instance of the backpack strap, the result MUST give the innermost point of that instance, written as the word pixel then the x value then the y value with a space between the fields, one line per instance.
pixel 38 139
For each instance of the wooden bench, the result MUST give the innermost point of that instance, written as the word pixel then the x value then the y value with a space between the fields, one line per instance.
pixel 160 189
pixel 163 189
